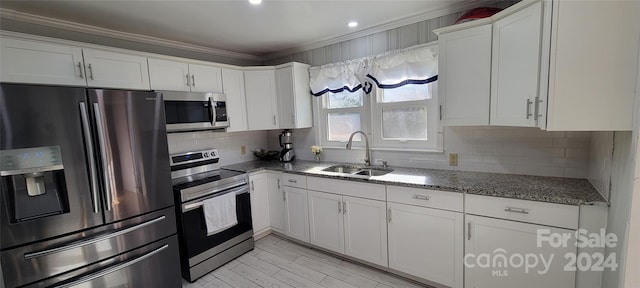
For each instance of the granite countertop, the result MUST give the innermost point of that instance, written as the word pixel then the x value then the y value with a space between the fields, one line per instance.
pixel 558 190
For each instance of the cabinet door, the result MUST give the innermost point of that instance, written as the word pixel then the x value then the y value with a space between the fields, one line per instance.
pixel 515 67
pixel 464 66
pixel 296 213
pixel 41 63
pixel 259 202
pixel 205 78
pixel 169 75
pixel 326 227
pixel 277 209
pixel 365 229
pixel 497 238
pixel 262 104
pixel 233 84
pixel 286 98
pixel 108 69
pixel 426 243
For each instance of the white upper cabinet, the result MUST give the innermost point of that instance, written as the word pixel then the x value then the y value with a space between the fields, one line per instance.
pixel 464 68
pixel 41 63
pixel 233 84
pixel 37 62
pixel 294 97
pixel 205 78
pixel 169 75
pixel 546 71
pixel 515 68
pixel 108 69
pixel 180 76
pixel 593 78
pixel 262 101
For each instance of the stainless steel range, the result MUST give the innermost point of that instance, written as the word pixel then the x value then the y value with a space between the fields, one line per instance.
pixel 196 178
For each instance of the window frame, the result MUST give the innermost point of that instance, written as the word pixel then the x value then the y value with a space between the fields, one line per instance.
pixel 322 102
pixel 371 115
pixel 434 142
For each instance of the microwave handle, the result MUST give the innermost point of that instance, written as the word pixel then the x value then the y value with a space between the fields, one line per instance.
pixel 213 111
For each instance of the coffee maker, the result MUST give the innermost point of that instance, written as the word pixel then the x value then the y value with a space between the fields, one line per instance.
pixel 286 142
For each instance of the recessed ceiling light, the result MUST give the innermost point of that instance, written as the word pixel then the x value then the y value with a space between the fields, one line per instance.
pixel 353 24
pixel 255 2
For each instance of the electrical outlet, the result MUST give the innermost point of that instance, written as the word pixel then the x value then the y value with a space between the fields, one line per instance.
pixel 243 150
pixel 453 159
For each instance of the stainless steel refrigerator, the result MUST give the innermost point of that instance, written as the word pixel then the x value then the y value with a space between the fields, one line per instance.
pixel 86 192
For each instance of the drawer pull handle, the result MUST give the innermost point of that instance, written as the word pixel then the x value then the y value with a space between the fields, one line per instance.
pixel 516 210
pixel 292 181
pixel 421 197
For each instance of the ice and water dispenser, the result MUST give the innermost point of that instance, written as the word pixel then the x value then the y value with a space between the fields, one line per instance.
pixel 33 182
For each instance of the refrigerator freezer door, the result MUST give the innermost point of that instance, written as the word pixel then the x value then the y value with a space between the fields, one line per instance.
pixel 133 153
pixel 41 117
pixel 63 258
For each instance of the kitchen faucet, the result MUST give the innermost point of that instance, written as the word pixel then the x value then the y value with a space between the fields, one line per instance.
pixel 367 159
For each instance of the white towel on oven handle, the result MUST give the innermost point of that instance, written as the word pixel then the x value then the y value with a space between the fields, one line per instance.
pixel 220 213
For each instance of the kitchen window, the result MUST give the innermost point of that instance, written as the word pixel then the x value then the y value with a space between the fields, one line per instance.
pixel 342 114
pixel 403 118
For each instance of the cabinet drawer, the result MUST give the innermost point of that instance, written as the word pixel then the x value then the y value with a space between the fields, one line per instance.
pixel 426 198
pixel 293 180
pixel 558 215
pixel 349 188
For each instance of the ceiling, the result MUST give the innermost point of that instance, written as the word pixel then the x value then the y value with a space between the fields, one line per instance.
pixel 234 25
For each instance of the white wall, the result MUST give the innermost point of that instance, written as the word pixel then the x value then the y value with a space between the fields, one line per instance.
pixel 228 144
pixel 599 170
pixel 619 211
pixel 510 150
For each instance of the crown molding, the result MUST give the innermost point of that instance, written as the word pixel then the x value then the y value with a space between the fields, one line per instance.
pixel 460 6
pixel 83 28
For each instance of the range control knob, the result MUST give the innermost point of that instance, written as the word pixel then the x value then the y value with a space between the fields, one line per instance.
pixel 213 153
pixel 206 155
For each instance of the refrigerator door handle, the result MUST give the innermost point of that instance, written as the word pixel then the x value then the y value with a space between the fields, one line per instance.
pixel 36 254
pixel 103 152
pixel 112 269
pixel 84 117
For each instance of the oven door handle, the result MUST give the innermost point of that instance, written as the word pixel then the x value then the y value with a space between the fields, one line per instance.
pixel 190 206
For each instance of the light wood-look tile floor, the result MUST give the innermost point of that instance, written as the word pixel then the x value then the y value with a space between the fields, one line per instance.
pixel 277 262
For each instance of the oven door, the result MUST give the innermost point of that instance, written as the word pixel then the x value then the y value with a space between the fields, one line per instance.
pixel 197 245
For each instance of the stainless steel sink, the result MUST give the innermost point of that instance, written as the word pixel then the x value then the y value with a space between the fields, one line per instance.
pixel 373 172
pixel 357 170
pixel 346 169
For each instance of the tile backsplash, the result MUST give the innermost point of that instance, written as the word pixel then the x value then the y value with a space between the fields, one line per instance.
pixel 228 143
pixel 511 150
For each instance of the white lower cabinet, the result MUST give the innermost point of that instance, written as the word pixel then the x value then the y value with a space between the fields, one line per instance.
pixel 326 224
pixel 426 243
pixel 354 226
pixel 504 244
pixel 259 190
pixel 296 213
pixel 365 229
pixel 277 218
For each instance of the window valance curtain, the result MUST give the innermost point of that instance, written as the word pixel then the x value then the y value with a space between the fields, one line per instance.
pixel 337 77
pixel 414 65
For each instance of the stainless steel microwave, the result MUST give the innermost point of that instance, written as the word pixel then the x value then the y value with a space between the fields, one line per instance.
pixel 189 111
